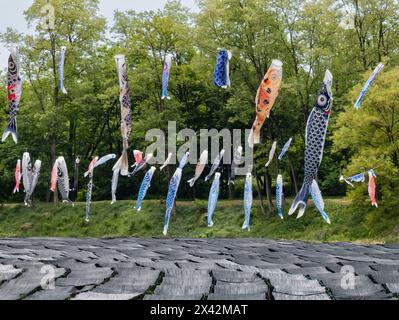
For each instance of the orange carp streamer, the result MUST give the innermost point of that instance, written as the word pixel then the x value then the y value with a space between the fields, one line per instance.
pixel 265 99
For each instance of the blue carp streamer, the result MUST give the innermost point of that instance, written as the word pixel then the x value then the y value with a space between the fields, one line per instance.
pixel 367 86
pixel 279 195
pixel 61 62
pixel 172 192
pixel 213 198
pixel 165 76
pixel 145 185
pixel 316 132
pixel 221 77
pixel 248 199
pixel 285 150
pixel 359 178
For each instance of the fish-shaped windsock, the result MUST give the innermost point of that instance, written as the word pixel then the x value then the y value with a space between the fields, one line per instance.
pixel 216 164
pixel 126 114
pixel 145 185
pixel 90 173
pixel 279 195
pixel 34 180
pixel 54 176
pixel 359 178
pixel 265 99
pixel 367 86
pixel 165 76
pixel 104 160
pixel 14 88
pixel 140 166
pixel 237 159
pixel 248 199
pixel 319 201
pixel 372 188
pixel 285 150
pixel 213 198
pixel 221 76
pixel 272 154
pixel 18 176
pixel 63 180
pixel 172 192
pixel 114 185
pixel 167 161
pixel 26 172
pixel 61 62
pixel 316 132
pixel 200 168
pixel 92 165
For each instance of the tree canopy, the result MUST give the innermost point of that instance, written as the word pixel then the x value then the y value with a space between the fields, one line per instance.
pixel 349 37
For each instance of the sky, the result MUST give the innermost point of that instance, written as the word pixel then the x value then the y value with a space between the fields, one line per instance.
pixel 11 14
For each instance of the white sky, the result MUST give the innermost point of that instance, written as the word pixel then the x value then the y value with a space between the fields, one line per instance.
pixel 11 14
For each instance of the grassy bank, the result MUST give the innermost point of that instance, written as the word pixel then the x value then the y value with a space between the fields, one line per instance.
pixel 121 220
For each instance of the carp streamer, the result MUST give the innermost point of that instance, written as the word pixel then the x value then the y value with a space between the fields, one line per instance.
pixel 248 199
pixel 96 162
pixel 14 88
pixel 172 192
pixel 165 77
pixel 61 62
pixel 265 98
pixel 221 76
pixel 213 199
pixel 126 114
pixel 316 132
pixel 272 154
pixel 145 185
pixel 367 86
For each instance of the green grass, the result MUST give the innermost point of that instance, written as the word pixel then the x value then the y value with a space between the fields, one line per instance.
pixel 365 225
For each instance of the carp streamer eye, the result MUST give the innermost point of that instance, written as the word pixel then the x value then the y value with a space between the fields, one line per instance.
pixel 322 100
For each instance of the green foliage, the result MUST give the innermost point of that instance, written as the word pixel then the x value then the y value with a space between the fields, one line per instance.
pixel 350 223
pixel 308 36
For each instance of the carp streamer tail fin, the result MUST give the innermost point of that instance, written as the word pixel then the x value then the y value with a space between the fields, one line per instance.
pixel 300 201
pixel 319 201
pixel 11 129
